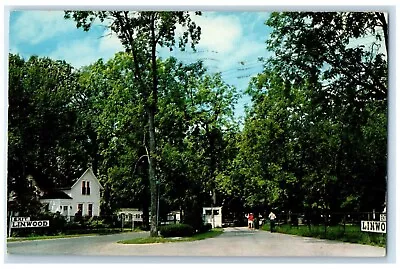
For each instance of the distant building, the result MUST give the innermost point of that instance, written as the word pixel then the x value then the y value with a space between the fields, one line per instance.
pixel 214 219
pixel 82 198
pixel 173 217
pixel 137 215
pixel 129 213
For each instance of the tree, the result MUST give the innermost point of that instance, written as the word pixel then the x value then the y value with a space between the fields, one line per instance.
pixel 196 111
pixel 343 52
pixel 112 116
pixel 141 33
pixel 308 134
pixel 44 140
pixel 212 105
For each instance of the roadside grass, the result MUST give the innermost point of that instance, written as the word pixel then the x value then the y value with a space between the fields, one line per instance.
pixel 351 233
pixel 71 235
pixel 152 240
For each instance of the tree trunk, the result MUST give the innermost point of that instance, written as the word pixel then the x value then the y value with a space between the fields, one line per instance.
pixel 381 17
pixel 145 204
pixel 152 175
pixel 152 108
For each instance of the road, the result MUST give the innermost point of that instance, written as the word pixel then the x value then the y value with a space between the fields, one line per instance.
pixel 233 242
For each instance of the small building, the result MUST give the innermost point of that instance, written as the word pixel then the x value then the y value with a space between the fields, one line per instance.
pixel 137 215
pixel 173 217
pixel 214 219
pixel 129 213
pixel 82 198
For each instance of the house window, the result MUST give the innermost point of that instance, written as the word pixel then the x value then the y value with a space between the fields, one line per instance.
pixel 83 188
pixel 87 188
pixel 80 210
pixel 90 210
pixel 65 210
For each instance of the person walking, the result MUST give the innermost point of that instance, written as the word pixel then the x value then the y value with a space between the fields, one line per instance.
pixel 250 221
pixel 272 218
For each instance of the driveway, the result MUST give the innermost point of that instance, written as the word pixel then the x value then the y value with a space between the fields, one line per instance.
pixel 233 242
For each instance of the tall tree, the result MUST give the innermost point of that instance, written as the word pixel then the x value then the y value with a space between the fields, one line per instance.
pixel 196 113
pixel 309 128
pixel 344 54
pixel 44 137
pixel 112 116
pixel 141 32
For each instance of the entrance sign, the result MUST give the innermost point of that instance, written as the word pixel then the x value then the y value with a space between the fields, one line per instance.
pixel 373 226
pixel 30 224
pixel 26 222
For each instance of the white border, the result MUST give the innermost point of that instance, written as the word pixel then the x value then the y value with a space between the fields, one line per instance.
pixel 393 258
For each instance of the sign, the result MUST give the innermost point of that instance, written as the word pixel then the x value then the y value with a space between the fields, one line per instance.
pixel 25 222
pixel 373 226
pixel 382 217
pixel 20 218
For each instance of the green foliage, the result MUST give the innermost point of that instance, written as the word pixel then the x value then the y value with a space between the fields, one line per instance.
pixel 205 228
pixel 351 233
pixel 306 143
pixel 176 230
pixel 314 139
pixel 141 33
pixel 45 141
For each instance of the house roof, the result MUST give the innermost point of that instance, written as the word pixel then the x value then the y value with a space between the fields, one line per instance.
pixel 89 170
pixel 56 195
pixel 75 182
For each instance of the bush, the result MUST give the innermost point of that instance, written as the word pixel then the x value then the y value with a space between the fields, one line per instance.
pixel 205 228
pixel 176 230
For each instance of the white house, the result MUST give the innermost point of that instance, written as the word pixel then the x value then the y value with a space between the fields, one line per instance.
pixel 137 215
pixel 82 198
pixel 130 213
pixel 214 219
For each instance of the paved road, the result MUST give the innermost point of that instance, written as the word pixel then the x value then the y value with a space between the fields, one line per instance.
pixel 233 242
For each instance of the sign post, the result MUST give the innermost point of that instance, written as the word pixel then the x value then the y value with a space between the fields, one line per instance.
pixel 9 224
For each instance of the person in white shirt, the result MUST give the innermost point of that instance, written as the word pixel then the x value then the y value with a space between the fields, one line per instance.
pixel 272 218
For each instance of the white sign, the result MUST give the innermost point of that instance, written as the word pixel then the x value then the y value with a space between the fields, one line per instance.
pixel 30 224
pixel 373 226
pixel 20 218
pixel 382 217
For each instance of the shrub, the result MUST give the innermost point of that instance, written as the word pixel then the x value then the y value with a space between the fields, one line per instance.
pixel 205 228
pixel 176 230
pixel 95 223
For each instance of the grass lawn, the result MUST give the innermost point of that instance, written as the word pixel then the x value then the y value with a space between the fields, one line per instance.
pixel 151 240
pixel 351 233
pixel 44 237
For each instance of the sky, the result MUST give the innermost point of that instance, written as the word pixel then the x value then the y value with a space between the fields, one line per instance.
pixel 231 43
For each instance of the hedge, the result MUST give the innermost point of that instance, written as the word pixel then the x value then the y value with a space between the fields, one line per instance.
pixel 176 230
